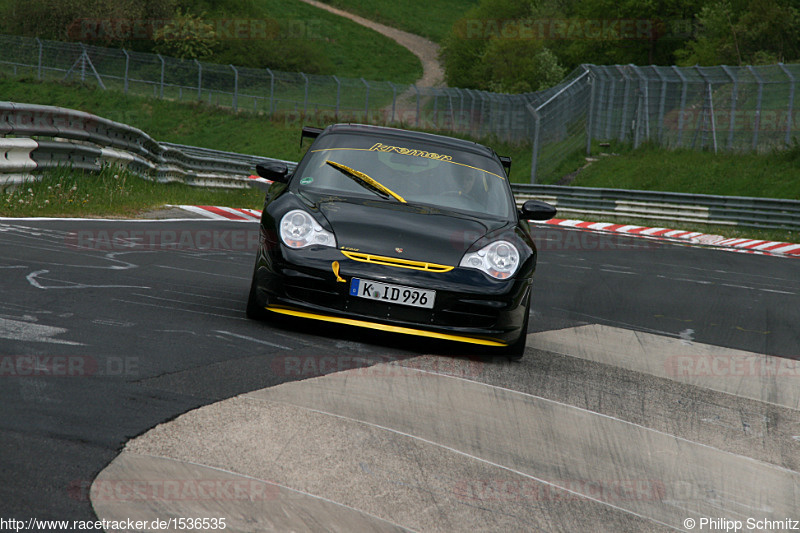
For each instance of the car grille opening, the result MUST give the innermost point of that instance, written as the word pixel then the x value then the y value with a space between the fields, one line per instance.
pixel 396 262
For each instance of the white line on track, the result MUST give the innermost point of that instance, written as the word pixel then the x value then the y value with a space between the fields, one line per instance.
pixel 184 302
pixel 179 309
pixel 202 272
pixel 253 339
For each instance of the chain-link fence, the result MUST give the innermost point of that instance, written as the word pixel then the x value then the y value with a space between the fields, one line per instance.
pixel 710 108
pixel 290 95
pixel 702 108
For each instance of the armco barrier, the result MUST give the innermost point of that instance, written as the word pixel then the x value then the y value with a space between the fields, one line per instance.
pixel 47 137
pixel 16 162
pixel 17 155
pixel 68 137
pixel 668 206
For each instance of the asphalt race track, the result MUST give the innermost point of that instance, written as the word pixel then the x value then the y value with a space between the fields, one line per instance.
pixel 647 366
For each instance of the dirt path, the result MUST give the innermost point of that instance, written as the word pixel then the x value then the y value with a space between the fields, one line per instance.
pixel 427 51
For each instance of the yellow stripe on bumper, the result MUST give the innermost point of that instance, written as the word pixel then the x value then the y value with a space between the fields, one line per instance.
pixel 384 327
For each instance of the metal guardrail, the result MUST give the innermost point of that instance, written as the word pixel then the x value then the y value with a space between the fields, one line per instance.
pixel 47 137
pixel 668 206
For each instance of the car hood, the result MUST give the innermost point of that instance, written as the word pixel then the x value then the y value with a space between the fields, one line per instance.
pixel 412 232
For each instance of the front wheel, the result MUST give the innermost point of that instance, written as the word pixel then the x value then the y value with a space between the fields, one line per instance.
pixel 255 310
pixel 515 351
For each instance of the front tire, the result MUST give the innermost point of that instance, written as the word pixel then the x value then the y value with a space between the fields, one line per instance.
pixel 255 309
pixel 515 351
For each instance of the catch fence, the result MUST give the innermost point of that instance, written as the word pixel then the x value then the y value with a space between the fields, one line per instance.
pixel 749 108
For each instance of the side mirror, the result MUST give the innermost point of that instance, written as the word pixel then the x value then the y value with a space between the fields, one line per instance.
pixel 536 210
pixel 273 171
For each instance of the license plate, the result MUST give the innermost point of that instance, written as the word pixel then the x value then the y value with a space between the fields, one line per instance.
pixel 390 293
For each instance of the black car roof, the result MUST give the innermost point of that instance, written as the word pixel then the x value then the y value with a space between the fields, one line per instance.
pixel 366 129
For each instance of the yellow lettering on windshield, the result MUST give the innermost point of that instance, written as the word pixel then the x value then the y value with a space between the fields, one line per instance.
pixel 378 147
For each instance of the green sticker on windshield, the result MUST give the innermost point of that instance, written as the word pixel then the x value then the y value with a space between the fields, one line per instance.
pixel 306 180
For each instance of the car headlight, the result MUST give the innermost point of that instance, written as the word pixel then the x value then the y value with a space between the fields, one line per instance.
pixel 299 229
pixel 499 259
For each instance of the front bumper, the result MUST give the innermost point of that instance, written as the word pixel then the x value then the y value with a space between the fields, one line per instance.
pixel 469 306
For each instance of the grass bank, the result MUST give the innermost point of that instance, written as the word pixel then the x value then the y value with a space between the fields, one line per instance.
pixel 770 175
pixel 196 124
pixel 420 17
pixel 113 192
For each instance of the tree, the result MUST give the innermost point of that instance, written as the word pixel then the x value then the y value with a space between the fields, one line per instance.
pixel 519 66
pixel 494 47
pixel 186 36
pixel 756 32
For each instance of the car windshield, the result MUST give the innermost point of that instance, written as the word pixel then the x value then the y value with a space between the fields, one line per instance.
pixel 420 173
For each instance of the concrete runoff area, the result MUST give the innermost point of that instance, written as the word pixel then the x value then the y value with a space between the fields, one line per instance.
pixel 405 445
pixel 745 374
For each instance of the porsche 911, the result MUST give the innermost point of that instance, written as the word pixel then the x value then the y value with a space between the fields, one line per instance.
pixel 399 231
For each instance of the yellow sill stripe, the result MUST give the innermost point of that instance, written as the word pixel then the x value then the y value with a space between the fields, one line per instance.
pixel 384 327
pixel 396 262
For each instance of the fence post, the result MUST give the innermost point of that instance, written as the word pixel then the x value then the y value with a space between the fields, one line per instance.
pixel 791 104
pixel 758 105
pixel 600 89
pixel 127 67
pixel 394 99
pixel 625 96
pixel 734 97
pixel 338 95
pixel 710 96
pixel 460 105
pixel 645 92
pixel 271 92
pixel 713 120
pixel 83 62
pixel 612 93
pixel 536 144
pixel 662 101
pixel 471 110
pixel 305 93
pixel 417 91
pixel 366 102
pixel 435 109
pixel 162 75
pixel 39 69
pixel 510 115
pixel 452 111
pixel 590 117
pixel 235 88
pixel 482 113
pixel 199 80
pixel 683 104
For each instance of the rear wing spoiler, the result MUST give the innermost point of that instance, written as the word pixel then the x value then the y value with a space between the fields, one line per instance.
pixel 506 161
pixel 309 132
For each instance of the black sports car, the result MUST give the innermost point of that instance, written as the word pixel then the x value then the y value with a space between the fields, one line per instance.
pixel 399 231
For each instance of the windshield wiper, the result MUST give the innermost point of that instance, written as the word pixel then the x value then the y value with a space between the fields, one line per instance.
pixel 365 181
